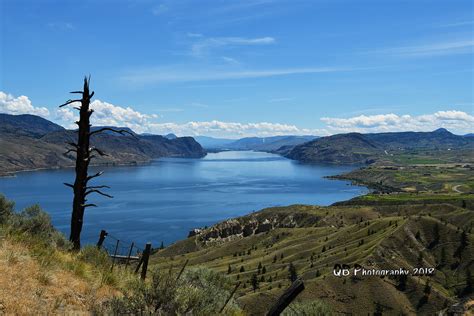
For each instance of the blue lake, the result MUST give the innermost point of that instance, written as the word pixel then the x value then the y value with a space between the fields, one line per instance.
pixel 163 200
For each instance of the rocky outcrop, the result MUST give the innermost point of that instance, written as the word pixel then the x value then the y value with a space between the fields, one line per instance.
pixel 244 227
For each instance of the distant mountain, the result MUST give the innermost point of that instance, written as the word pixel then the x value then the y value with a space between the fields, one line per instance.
pixel 355 148
pixel 267 144
pixel 212 142
pixel 171 136
pixel 469 135
pixel 27 125
pixel 30 142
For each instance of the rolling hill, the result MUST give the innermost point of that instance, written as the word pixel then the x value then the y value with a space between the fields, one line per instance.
pixel 356 148
pixel 29 142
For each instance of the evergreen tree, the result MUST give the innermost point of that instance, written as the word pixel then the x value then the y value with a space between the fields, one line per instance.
pixel 292 274
pixel 402 282
pixel 427 289
pixel 254 282
pixel 443 258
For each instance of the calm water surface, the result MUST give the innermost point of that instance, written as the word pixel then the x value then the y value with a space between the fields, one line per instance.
pixel 162 201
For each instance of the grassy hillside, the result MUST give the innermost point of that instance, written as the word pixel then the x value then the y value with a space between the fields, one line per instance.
pixel 40 274
pixel 426 222
pixel 316 238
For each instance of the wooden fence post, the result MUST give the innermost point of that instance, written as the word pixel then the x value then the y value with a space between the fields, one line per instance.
pixel 146 256
pixel 182 269
pixel 115 254
pixel 286 298
pixel 228 299
pixel 129 254
pixel 102 236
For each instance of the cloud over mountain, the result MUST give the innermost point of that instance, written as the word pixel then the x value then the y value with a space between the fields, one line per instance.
pixel 456 121
pixel 125 116
pixel 20 105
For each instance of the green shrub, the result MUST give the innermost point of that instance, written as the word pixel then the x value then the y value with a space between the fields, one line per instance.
pixel 6 209
pixel 98 258
pixel 308 308
pixel 197 292
pixel 35 222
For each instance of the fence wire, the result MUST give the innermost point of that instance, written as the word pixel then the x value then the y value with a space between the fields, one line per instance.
pixel 115 246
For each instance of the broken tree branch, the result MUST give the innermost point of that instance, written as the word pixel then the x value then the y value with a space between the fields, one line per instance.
pixel 69 102
pixel 98 192
pixel 118 131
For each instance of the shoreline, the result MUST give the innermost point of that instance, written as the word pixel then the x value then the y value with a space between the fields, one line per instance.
pixel 12 174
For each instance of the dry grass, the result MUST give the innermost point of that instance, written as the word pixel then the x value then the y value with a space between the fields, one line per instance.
pixel 29 286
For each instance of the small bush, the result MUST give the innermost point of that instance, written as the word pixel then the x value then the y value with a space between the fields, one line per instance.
pixel 198 292
pixel 98 258
pixel 308 308
pixel 6 209
pixel 35 222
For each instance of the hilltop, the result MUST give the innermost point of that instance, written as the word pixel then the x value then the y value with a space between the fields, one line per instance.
pixel 30 142
pixel 356 148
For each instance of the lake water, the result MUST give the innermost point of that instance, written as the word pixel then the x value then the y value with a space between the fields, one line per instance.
pixel 163 200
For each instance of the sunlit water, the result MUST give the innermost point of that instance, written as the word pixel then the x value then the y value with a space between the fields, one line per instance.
pixel 163 200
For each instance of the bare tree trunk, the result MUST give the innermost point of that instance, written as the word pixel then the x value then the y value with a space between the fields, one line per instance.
pixel 83 152
pixel 82 164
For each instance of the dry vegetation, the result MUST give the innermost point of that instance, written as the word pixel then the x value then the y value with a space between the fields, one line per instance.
pixel 29 285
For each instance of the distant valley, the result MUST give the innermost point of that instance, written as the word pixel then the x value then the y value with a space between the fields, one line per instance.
pixel 274 144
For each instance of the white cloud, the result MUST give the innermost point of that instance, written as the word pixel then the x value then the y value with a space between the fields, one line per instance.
pixel 194 35
pixel 107 114
pixel 228 129
pixel 204 45
pixel 455 121
pixel 159 9
pixel 433 49
pixel 162 75
pixel 230 60
pixel 455 24
pixel 20 105
pixel 112 115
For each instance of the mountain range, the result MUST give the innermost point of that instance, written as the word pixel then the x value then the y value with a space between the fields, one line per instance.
pixel 30 142
pixel 274 144
pixel 356 148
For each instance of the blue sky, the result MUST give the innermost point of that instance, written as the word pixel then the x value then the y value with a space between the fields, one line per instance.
pixel 244 68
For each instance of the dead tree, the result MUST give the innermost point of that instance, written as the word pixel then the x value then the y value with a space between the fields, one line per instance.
pixel 84 154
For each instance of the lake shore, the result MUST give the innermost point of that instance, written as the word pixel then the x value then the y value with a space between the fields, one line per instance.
pixel 173 196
